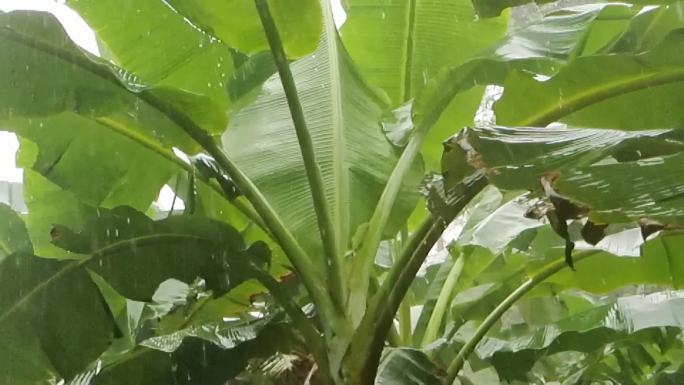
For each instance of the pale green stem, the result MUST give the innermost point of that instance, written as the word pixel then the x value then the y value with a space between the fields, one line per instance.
pixel 393 338
pixel 408 62
pixel 313 172
pixel 363 262
pixel 404 317
pixel 368 338
pixel 546 272
pixel 437 316
pixel 175 196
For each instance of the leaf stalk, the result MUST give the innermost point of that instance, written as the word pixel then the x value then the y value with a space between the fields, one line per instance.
pixel 325 223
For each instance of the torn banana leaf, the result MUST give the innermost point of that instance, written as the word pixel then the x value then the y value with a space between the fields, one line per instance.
pixel 615 176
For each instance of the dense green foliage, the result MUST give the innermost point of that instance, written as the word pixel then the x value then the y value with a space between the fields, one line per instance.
pixel 436 193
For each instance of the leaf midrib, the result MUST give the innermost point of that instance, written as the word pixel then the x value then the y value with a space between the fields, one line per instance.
pixel 408 59
pixel 341 177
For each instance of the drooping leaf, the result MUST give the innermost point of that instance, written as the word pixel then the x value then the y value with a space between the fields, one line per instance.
pixel 619 80
pixel 177 314
pixel 157 44
pixel 124 230
pixel 49 295
pixel 343 116
pixel 611 172
pixel 57 76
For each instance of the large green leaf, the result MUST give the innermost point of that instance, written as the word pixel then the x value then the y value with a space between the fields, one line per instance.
pixel 542 47
pixel 66 174
pixel 343 117
pixel 217 245
pixel 54 305
pixel 487 279
pixel 21 357
pixel 490 225
pixel 49 204
pixel 65 327
pixel 658 265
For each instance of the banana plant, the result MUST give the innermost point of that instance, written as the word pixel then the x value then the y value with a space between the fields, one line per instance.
pixel 320 169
